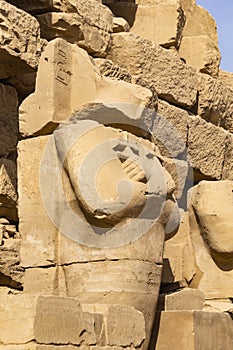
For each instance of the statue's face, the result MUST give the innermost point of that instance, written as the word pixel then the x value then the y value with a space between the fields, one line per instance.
pixel 214 210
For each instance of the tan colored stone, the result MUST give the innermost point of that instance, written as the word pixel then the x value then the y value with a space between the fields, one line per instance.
pixel 213 206
pixel 118 285
pixel 125 326
pixel 179 261
pixel 226 78
pixel 214 276
pixel 194 330
pixel 198 21
pixel 40 281
pixel 147 62
pixel 170 129
pixel 215 102
pixel 146 20
pixel 17 318
pixel 108 69
pixel 201 52
pixel 228 163
pixel 20 41
pixel 202 151
pixel 185 299
pixel 90 32
pixel 120 25
pixel 61 321
pixel 8 194
pixel 74 82
pixel 8 120
pixel 11 274
pixel 29 346
pixel 38 238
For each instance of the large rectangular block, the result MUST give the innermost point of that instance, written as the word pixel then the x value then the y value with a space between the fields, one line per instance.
pixel 20 41
pixel 206 147
pixel 172 79
pixel 194 330
pixel 38 234
pixel 215 102
pixel 147 18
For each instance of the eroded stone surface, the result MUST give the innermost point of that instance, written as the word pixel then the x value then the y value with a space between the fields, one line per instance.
pixel 8 190
pixel 172 79
pixel 20 41
pixel 8 120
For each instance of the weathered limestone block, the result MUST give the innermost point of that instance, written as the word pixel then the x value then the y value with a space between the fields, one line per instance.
pixel 198 21
pixel 41 281
pixel 61 321
pixel 203 153
pixel 8 192
pixel 8 120
pixel 211 238
pixel 125 326
pixel 108 69
pixel 90 32
pixel 185 299
pixel 74 82
pixel 85 22
pixel 227 172
pixel 171 78
pixel 201 52
pixel 29 346
pixel 226 78
pixel 20 41
pixel 11 274
pixel 194 330
pixel 170 129
pixel 179 260
pixel 42 6
pixel 38 238
pixel 215 102
pixel 147 19
pixel 120 25
pixel 17 319
pixel 215 216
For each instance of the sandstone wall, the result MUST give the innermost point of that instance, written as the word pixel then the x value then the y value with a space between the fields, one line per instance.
pixel 150 69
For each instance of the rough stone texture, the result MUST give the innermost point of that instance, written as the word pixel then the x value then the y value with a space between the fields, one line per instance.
pixel 20 41
pixel 227 172
pixel 141 17
pixel 191 328
pixel 61 321
pixel 171 78
pixel 38 238
pixel 226 78
pixel 8 120
pixel 120 25
pixel 108 69
pixel 185 299
pixel 11 274
pixel 76 81
pixel 214 276
pixel 214 217
pixel 198 21
pixel 17 318
pixel 121 323
pixel 179 261
pixel 202 151
pixel 170 129
pixel 89 25
pixel 8 190
pixel 201 52
pixel 215 102
pixel 199 43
